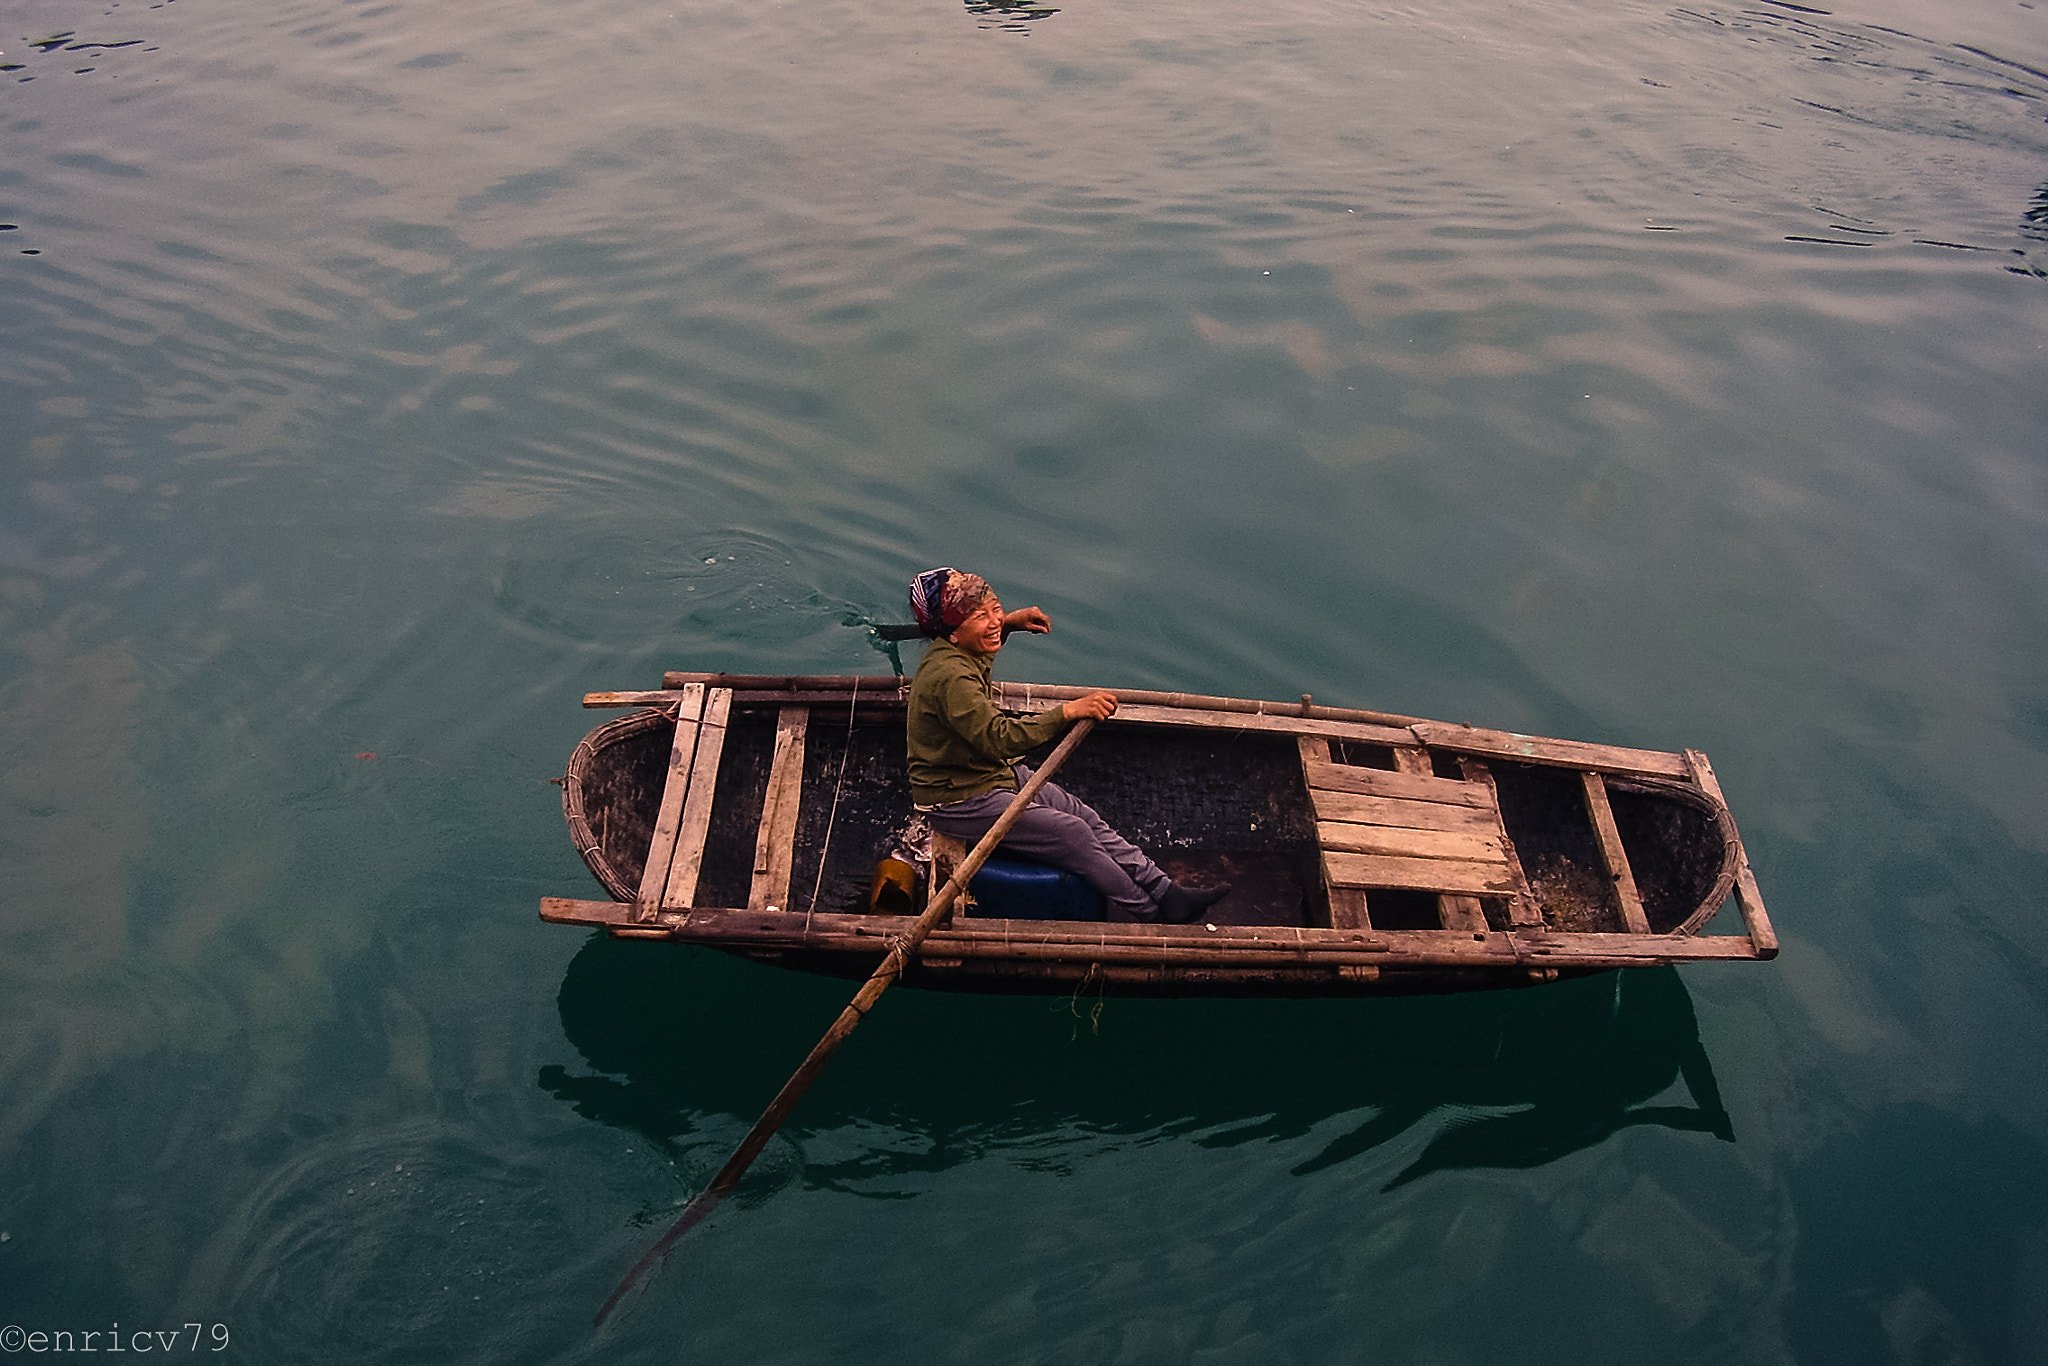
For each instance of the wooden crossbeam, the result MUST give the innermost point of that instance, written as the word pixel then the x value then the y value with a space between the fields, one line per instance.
pixel 774 846
pixel 1616 858
pixel 696 822
pixel 1522 909
pixel 669 818
pixel 1419 874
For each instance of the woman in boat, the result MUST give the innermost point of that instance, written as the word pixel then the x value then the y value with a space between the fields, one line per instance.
pixel 963 753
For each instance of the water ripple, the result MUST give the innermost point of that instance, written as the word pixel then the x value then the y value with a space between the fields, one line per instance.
pixel 375 1242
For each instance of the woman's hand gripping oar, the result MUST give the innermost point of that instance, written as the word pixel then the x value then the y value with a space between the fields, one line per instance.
pixel 884 977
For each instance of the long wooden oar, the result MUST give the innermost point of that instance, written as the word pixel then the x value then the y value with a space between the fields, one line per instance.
pixel 884 977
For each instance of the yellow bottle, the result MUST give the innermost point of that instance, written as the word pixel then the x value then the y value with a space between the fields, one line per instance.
pixel 894 891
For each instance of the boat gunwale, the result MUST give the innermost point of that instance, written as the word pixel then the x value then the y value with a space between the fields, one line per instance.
pixel 1224 947
pixel 1148 706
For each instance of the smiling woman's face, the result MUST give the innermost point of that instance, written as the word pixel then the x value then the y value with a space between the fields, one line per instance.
pixel 982 633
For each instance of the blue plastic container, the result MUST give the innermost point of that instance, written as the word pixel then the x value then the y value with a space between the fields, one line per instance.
pixel 1011 889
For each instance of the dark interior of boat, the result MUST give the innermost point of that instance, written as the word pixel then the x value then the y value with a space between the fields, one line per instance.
pixel 1208 805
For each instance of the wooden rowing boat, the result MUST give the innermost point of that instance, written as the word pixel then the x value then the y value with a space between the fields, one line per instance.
pixel 1367 853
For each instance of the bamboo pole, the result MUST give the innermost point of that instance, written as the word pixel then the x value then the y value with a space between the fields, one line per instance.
pixel 881 685
pixel 884 977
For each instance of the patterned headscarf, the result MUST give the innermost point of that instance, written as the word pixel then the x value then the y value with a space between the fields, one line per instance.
pixel 941 599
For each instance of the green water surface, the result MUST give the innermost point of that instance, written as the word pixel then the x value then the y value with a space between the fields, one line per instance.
pixel 376 378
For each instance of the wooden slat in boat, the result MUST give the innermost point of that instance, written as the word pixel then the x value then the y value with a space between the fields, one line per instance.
pixel 1616 858
pixel 668 824
pixel 597 701
pixel 1405 814
pixel 696 822
pixel 1471 846
pixel 1523 910
pixel 774 846
pixel 1378 782
pixel 1461 911
pixel 1419 874
pixel 1454 910
pixel 1348 910
pixel 1440 835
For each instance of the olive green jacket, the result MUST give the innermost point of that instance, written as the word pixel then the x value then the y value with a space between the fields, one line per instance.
pixel 959 744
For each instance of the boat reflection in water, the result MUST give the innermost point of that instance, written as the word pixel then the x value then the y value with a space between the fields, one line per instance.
pixel 677 1042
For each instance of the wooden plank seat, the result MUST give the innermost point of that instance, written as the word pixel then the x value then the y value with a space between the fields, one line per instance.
pixel 1407 830
pixel 676 854
pixel 775 840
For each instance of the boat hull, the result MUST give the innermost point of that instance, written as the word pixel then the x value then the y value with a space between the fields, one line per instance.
pixel 1366 856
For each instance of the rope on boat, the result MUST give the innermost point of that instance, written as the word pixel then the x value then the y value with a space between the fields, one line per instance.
pixel 1096 975
pixel 845 753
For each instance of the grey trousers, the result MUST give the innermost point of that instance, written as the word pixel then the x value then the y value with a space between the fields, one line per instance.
pixel 1060 829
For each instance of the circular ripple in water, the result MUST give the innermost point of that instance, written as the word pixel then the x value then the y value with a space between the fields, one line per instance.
pixel 407 1245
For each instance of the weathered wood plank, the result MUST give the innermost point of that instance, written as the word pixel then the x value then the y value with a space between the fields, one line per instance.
pixel 1616 858
pixel 787 683
pixel 597 700
pixel 1537 749
pixel 1401 813
pixel 1643 947
pixel 1289 725
pixel 1348 909
pixel 1384 727
pixel 1470 846
pixel 1378 782
pixel 1413 760
pixel 1747 896
pixel 1227 945
pixel 882 698
pixel 1401 950
pixel 774 845
pixel 1418 874
pixel 1523 912
pixel 661 850
pixel 1032 696
pixel 1035 695
pixel 1347 906
pixel 1454 911
pixel 1460 912
pixel 696 822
